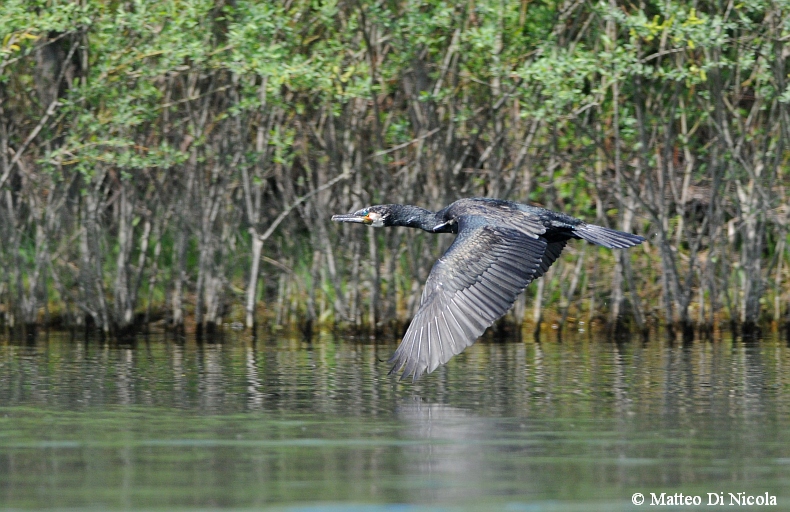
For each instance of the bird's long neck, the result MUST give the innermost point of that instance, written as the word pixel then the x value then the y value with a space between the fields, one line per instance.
pixel 415 217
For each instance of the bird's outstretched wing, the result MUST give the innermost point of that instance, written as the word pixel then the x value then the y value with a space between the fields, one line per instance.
pixel 553 250
pixel 473 284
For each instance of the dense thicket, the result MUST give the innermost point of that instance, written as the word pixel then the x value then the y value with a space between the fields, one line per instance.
pixel 180 159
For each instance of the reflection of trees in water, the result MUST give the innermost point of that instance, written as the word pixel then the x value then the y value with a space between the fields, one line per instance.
pixel 517 379
pixel 211 377
pixel 677 385
pixel 502 418
pixel 125 376
pixel 179 376
pixel 254 394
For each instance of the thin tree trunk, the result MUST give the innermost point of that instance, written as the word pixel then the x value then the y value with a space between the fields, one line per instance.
pixel 252 285
pixel 124 312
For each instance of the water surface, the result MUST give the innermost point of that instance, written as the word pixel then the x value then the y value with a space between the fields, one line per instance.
pixel 287 424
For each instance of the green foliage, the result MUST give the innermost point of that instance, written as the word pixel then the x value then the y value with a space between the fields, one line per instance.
pixel 158 93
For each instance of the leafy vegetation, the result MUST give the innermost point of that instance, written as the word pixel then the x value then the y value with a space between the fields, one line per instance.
pixel 179 160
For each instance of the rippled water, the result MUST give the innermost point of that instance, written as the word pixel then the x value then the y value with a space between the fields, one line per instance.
pixel 292 425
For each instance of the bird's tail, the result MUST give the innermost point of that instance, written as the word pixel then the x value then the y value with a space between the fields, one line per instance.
pixel 606 237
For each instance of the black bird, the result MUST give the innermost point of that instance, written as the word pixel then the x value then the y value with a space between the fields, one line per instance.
pixel 500 248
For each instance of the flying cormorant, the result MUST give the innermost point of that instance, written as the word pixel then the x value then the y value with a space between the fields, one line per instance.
pixel 500 248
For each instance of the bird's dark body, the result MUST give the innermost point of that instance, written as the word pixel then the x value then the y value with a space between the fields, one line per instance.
pixel 501 246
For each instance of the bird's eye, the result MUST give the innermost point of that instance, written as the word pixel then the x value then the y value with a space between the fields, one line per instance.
pixel 364 212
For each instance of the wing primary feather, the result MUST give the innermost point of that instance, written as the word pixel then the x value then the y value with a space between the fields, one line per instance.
pixel 474 295
pixel 469 313
pixel 463 338
pixel 401 356
pixel 440 353
pixel 433 341
pixel 475 317
pixel 469 331
pixel 398 360
pixel 451 342
pixel 429 348
pixel 412 368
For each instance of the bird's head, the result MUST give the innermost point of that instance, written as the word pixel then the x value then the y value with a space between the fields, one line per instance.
pixel 376 216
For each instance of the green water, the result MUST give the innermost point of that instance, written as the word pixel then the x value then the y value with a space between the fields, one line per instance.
pixel 285 424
